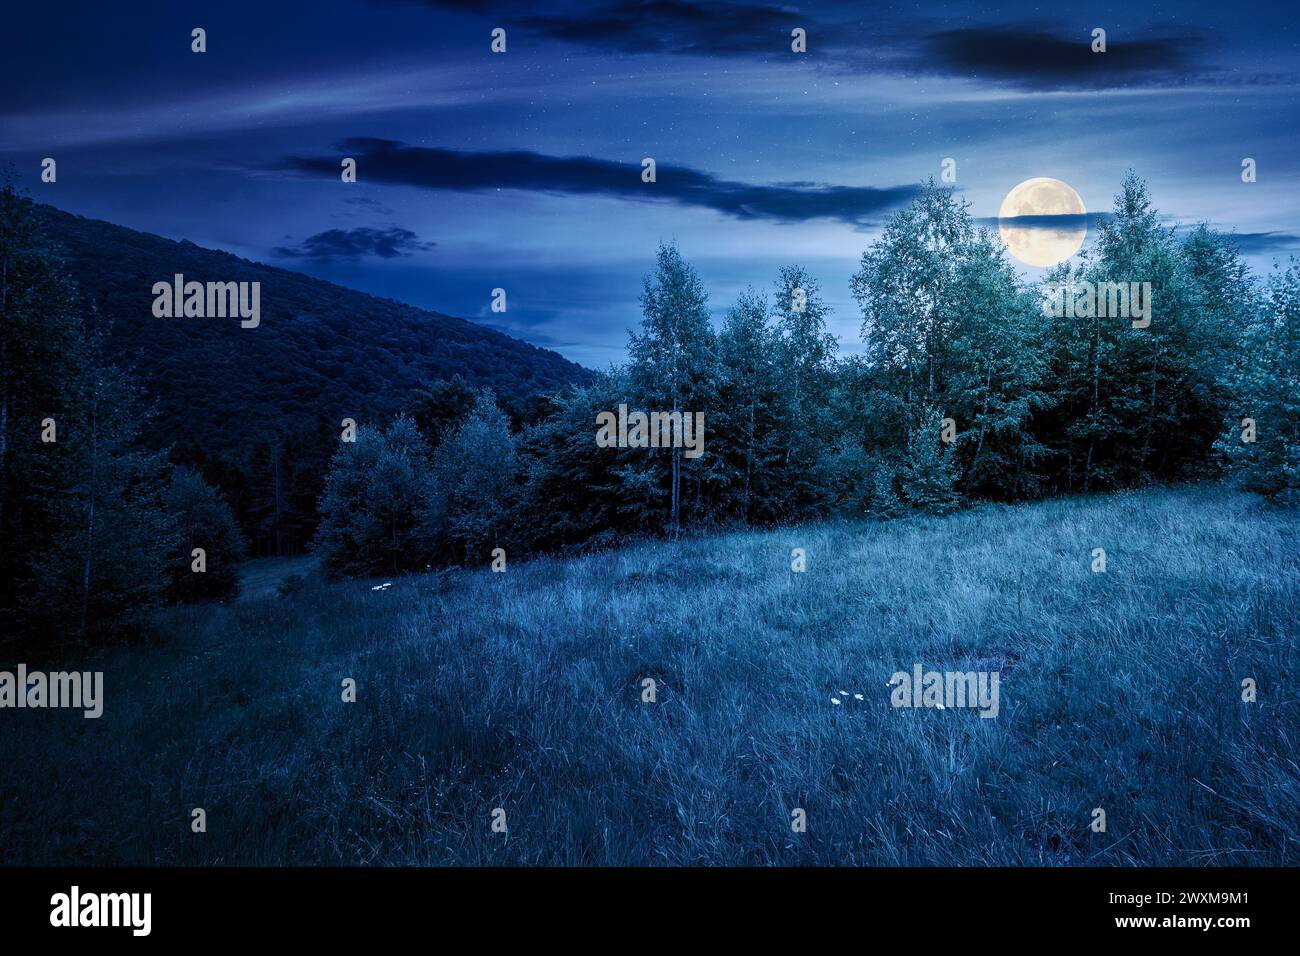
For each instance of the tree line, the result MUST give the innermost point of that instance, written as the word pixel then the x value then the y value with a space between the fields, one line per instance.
pixel 966 390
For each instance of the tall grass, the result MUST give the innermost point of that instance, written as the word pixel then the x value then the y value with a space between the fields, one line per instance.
pixel 522 691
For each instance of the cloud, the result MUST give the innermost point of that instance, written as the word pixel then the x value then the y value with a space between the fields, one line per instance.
pixel 673 26
pixel 1091 220
pixel 646 26
pixel 334 244
pixel 1043 60
pixel 1038 57
pixel 394 163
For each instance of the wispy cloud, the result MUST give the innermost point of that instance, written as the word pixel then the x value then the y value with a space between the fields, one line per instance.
pixel 395 163
pixel 1264 243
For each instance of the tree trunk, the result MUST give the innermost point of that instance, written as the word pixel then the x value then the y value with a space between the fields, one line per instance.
pixel 90 510
pixel 4 382
pixel 1151 416
pixel 275 492
pixel 1092 410
pixel 984 414
pixel 675 516
pixel 749 458
pixel 907 428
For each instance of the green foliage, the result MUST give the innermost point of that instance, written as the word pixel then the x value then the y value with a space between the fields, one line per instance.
pixel 1039 404
pixel 257 411
pixel 277 482
pixel 321 351
pixel 1043 404
pixel 574 491
pixel 469 495
pixel 204 520
pixel 391 505
pixel 998 381
pixel 373 502
pixel 43 361
pixel 673 368
pixel 928 475
pixel 1265 384
pixel 909 288
pixel 1141 404
pixel 950 332
pixel 89 546
pixel 439 408
pixel 745 452
pixel 805 373
pixel 115 544
pixel 792 432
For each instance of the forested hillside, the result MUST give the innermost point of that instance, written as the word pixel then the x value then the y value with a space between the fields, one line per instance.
pixel 257 410
pixel 322 351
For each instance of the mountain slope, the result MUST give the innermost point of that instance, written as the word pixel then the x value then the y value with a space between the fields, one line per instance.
pixel 321 352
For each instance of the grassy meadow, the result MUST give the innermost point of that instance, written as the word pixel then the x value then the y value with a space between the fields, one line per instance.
pixel 521 690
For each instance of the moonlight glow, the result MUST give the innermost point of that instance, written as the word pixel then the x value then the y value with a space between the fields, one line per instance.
pixel 1036 244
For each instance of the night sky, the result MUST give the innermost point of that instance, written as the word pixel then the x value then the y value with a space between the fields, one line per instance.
pixel 522 170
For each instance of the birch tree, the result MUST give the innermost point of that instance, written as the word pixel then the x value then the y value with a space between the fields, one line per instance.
pixel 673 363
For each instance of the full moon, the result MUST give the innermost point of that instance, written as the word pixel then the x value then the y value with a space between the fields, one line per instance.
pixel 1039 244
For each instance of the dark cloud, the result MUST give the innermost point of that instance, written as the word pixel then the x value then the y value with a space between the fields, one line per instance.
pixel 645 26
pixel 1091 220
pixel 392 162
pixel 335 244
pixel 673 26
pixel 1039 59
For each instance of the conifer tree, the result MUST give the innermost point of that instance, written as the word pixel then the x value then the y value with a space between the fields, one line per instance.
pixel 204 520
pixel 1263 453
pixel 372 506
pixel 89 547
pixel 805 369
